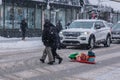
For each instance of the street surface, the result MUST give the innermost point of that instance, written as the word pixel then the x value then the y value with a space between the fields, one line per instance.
pixel 24 64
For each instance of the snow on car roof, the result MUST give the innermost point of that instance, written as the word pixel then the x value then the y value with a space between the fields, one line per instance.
pixel 88 20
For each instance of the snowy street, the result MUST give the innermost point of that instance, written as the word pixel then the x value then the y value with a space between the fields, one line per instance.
pixel 79 25
pixel 19 60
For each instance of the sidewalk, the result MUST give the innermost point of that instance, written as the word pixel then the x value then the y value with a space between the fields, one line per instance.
pixel 18 43
pixel 4 40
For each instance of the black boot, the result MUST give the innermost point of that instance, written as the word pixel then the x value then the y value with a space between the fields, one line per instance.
pixel 60 60
pixel 51 62
pixel 42 60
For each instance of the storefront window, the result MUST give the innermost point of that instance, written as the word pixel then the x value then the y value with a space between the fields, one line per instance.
pixel 31 17
pixel 118 16
pixel 68 16
pixel 53 17
pixel 115 18
pixel 38 19
pixel 61 17
pixel 19 14
pixel 1 17
pixel 74 14
pixel 47 14
pixel 9 16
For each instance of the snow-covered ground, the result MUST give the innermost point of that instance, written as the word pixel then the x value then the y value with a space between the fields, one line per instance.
pixel 18 43
pixel 112 75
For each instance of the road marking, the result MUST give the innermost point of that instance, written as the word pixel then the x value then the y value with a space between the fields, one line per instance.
pixel 109 48
pixel 96 73
pixel 14 57
pixel 12 77
pixel 28 74
pixel 1 78
pixel 54 68
pixel 112 75
pixel 44 71
pixel 107 56
pixel 65 66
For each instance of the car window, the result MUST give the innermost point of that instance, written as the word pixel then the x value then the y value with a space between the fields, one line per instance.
pixel 110 25
pixel 101 24
pixel 82 24
pixel 117 27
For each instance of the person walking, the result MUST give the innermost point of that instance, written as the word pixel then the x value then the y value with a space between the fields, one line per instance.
pixel 23 27
pixel 59 26
pixel 47 41
pixel 56 43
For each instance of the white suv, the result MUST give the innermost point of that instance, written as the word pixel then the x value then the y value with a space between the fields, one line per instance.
pixel 89 32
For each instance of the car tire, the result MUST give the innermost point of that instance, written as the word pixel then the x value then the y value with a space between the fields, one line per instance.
pixel 91 42
pixel 107 42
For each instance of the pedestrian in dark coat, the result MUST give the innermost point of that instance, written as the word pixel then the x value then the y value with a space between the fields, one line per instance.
pixel 55 44
pixel 47 41
pixel 59 26
pixel 23 26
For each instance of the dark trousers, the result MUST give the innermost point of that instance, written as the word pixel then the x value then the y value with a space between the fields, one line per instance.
pixel 23 35
pixel 55 55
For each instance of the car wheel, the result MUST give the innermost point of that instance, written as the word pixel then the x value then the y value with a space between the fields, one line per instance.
pixel 91 43
pixel 107 42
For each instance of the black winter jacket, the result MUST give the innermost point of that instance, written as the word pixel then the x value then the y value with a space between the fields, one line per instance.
pixel 49 36
pixel 23 26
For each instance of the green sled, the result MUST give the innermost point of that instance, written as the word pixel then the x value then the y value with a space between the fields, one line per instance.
pixel 73 56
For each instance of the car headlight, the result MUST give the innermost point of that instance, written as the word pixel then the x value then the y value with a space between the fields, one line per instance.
pixel 61 33
pixel 85 33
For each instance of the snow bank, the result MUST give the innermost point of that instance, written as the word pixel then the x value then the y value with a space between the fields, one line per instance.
pixel 18 43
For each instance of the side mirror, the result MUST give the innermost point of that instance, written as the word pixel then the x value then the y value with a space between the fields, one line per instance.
pixel 97 27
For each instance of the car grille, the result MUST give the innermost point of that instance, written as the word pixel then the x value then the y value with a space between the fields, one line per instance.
pixel 117 33
pixel 72 34
pixel 71 42
pixel 115 37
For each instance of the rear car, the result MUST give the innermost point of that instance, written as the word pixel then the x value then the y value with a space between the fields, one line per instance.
pixel 116 32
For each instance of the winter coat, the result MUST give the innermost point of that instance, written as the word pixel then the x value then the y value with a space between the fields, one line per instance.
pixel 59 27
pixel 23 26
pixel 49 36
pixel 55 37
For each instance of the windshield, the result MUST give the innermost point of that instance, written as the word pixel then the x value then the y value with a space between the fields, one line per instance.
pixel 110 25
pixel 117 27
pixel 78 24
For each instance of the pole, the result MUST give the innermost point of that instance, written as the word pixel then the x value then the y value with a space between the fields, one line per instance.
pixel 48 8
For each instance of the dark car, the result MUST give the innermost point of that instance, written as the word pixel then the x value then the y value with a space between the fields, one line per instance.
pixel 116 32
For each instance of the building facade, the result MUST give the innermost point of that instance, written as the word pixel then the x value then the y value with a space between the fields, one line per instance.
pixel 35 11
pixel 107 10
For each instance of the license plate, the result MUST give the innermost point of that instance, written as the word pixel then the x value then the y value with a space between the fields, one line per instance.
pixel 70 37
